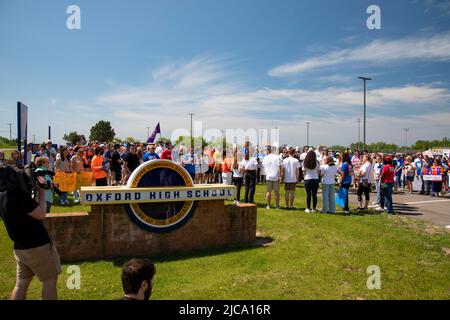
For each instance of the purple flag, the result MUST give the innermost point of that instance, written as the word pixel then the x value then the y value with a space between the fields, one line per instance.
pixel 157 130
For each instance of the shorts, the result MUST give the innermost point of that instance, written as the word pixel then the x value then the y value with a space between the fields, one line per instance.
pixel 289 185
pixel 273 186
pixel 210 170
pixel 410 178
pixel 43 261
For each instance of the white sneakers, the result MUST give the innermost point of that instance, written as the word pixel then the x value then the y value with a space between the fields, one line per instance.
pixel 307 210
pixel 267 207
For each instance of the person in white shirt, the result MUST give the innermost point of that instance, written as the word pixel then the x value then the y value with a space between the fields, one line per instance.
pixel 365 175
pixel 250 165
pixel 378 165
pixel 272 167
pixel 160 149
pixel 328 171
pixel 238 175
pixel 291 170
pixel 311 169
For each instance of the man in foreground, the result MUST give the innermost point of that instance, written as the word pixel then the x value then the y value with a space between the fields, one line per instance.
pixel 137 279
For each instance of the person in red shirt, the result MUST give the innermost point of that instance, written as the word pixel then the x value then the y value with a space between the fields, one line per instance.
pixel 387 182
pixel 167 153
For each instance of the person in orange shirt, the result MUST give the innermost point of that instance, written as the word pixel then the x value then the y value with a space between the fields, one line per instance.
pixel 436 170
pixel 227 166
pixel 98 168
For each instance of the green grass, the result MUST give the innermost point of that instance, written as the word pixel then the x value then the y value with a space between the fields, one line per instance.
pixel 311 256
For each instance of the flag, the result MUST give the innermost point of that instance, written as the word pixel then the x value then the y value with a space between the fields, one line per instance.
pixel 157 130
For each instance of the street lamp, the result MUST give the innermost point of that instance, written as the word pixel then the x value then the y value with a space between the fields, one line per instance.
pixel 406 139
pixel 364 124
pixel 307 133
pixel 192 142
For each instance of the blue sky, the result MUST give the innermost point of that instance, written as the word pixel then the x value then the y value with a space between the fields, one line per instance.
pixel 235 64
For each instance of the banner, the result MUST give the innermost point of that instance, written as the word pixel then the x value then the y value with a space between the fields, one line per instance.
pixel 84 179
pixel 430 174
pixel 157 130
pixel 66 181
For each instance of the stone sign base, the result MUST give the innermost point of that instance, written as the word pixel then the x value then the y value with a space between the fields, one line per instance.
pixel 107 232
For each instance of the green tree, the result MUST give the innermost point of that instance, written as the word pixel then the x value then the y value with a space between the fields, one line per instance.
pixel 74 138
pixel 131 140
pixel 102 131
pixel 164 140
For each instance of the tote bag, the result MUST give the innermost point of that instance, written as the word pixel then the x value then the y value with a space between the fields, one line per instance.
pixel 341 196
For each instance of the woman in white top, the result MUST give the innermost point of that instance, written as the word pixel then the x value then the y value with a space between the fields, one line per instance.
pixel 311 169
pixel 365 175
pixel 328 171
pixel 249 165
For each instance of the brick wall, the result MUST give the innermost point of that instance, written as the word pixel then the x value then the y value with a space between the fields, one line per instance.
pixel 78 236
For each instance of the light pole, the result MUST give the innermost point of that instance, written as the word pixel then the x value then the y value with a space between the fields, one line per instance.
pixel 148 132
pixel 406 139
pixel 307 133
pixel 192 142
pixel 364 124
pixel 359 130
pixel 10 132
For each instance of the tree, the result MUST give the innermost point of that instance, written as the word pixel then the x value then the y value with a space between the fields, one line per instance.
pixel 131 140
pixel 102 131
pixel 74 138
pixel 164 140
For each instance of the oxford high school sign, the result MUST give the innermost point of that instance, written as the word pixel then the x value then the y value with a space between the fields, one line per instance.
pixel 160 195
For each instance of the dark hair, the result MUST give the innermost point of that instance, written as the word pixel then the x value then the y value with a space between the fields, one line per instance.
pixel 134 272
pixel 310 160
pixel 97 151
pixel 61 153
pixel 346 157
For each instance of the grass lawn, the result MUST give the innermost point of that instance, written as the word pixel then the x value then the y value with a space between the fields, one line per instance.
pixel 311 256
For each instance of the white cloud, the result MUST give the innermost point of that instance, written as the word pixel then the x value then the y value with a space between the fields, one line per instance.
pixel 378 51
pixel 220 98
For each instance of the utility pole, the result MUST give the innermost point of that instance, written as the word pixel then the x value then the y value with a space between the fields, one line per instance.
pixel 148 132
pixel 406 139
pixel 34 138
pixel 192 139
pixel 359 130
pixel 10 132
pixel 307 133
pixel 364 131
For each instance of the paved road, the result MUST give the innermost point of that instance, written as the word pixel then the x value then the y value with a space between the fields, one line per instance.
pixel 432 209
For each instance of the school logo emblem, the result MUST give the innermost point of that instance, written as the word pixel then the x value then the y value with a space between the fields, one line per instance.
pixel 161 216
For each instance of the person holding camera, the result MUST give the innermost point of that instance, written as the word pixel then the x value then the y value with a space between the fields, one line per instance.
pixel 33 250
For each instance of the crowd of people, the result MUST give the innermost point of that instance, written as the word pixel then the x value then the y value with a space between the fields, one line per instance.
pixel 112 164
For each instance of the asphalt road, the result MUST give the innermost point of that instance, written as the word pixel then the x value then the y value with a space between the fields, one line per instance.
pixel 431 209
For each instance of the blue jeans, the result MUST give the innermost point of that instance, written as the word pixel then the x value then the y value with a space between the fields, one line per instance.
pixel 63 197
pixel 387 188
pixel 328 199
pixel 378 189
pixel 311 186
